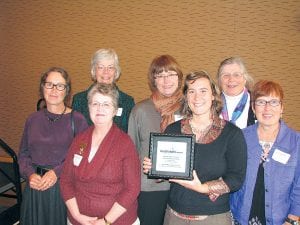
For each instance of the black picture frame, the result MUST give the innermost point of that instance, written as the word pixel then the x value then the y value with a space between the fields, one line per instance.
pixel 172 156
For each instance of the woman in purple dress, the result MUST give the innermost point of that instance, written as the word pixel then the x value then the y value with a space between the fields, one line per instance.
pixel 47 136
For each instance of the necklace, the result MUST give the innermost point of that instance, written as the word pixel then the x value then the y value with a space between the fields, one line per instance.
pixel 266 141
pixel 54 119
pixel 266 147
pixel 200 132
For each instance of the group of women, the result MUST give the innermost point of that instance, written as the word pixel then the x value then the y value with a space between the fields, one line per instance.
pixel 100 176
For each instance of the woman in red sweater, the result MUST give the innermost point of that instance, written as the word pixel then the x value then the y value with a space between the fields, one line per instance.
pixel 101 176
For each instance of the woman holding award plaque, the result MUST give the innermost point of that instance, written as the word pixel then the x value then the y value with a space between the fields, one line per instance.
pixel 153 115
pixel 219 158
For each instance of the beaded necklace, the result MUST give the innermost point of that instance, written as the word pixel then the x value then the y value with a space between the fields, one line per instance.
pixel 56 118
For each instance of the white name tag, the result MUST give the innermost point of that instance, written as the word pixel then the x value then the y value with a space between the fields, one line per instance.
pixel 281 156
pixel 77 159
pixel 177 117
pixel 119 112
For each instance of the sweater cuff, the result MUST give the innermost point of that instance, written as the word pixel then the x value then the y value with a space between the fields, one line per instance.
pixel 27 173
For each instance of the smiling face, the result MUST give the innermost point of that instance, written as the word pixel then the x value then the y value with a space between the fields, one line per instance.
pixel 101 109
pixel 166 82
pixel 105 71
pixel 199 97
pixel 232 79
pixel 53 96
pixel 268 115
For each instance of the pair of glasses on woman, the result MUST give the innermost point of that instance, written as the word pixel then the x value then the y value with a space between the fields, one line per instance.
pixel 104 105
pixel 273 102
pixel 109 68
pixel 161 76
pixel 58 86
pixel 226 76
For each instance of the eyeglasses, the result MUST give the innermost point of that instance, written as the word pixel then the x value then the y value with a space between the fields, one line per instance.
pixel 161 76
pixel 58 86
pixel 226 76
pixel 273 102
pixel 104 105
pixel 109 68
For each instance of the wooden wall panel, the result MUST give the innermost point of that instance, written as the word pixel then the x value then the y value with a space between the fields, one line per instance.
pixel 199 34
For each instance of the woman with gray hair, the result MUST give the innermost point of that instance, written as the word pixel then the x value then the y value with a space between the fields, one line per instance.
pixel 101 176
pixel 235 83
pixel 105 69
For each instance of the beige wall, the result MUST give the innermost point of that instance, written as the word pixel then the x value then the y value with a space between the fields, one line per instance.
pixel 199 34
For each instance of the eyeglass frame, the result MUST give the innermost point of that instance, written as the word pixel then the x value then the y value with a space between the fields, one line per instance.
pixel 160 77
pixel 278 102
pixel 235 75
pixel 109 68
pixel 54 85
pixel 104 105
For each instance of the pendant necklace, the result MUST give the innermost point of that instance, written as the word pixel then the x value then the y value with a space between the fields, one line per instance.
pixel 266 147
pixel 266 142
pixel 56 118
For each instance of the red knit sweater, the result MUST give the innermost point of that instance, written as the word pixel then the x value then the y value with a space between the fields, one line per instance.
pixel 113 175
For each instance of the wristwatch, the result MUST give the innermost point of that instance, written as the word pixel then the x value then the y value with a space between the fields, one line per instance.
pixel 109 223
pixel 293 222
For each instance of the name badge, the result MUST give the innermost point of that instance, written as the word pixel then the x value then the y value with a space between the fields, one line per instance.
pixel 281 156
pixel 119 112
pixel 177 117
pixel 77 159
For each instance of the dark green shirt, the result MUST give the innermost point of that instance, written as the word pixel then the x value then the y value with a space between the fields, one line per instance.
pixel 126 103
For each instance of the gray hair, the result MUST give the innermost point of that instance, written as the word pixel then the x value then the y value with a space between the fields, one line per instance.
pixel 103 54
pixel 109 90
pixel 236 60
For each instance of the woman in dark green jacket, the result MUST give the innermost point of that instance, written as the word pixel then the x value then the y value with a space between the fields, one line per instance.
pixel 105 68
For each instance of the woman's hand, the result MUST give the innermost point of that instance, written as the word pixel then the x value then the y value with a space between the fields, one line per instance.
pixel 194 184
pixel 146 165
pixel 87 220
pixel 99 222
pixel 292 217
pixel 74 211
pixel 48 180
pixel 35 181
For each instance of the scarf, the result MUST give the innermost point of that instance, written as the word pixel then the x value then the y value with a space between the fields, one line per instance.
pixel 238 109
pixel 213 133
pixel 167 106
